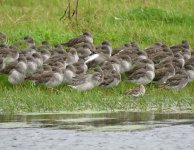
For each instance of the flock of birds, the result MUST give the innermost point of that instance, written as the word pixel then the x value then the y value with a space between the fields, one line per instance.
pixel 81 65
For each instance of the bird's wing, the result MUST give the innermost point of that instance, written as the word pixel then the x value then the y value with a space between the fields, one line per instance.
pixel 79 80
pixel 174 80
pixel 138 74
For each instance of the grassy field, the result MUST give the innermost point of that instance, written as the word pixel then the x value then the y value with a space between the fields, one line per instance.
pixel 118 21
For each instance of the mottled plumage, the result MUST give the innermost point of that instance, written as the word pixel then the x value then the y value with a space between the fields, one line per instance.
pixel 86 37
pixel 136 91
pixel 87 82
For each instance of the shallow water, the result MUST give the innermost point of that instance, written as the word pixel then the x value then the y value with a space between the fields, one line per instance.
pixel 118 130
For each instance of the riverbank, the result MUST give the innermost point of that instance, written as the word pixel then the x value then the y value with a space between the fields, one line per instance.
pixel 132 20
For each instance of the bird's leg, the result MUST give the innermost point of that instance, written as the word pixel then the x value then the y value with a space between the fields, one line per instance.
pixel 50 89
pixel 53 90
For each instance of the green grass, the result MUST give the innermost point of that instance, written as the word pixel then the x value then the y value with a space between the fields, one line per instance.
pixel 118 21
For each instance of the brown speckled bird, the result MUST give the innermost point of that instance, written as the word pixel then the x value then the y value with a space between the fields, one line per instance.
pixel 86 37
pixel 136 91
